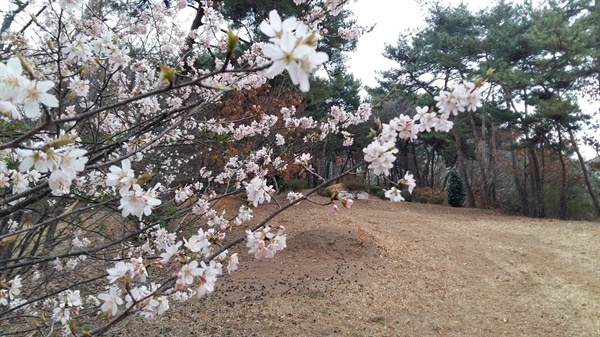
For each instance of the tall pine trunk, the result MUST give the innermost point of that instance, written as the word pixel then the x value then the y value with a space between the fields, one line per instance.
pixel 521 190
pixel 562 209
pixel 479 148
pixel 432 167
pixel 492 166
pixel 417 171
pixel 586 175
pixel 463 171
pixel 539 207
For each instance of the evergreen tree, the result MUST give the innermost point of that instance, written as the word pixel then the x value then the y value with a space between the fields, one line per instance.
pixel 455 189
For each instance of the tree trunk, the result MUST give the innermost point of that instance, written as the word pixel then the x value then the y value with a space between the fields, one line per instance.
pixel 492 166
pixel 189 42
pixel 463 171
pixel 562 210
pixel 539 207
pixel 425 177
pixel 417 172
pixel 586 175
pixel 481 163
pixel 433 159
pixel 323 167
pixel 518 183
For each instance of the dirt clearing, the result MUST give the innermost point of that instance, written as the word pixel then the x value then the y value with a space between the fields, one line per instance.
pixel 404 269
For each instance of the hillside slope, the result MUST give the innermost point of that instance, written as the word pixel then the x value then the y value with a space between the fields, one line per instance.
pixel 405 269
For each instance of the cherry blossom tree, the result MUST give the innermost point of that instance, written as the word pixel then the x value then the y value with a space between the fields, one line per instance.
pixel 106 213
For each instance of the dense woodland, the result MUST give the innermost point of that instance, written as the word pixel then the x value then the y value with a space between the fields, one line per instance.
pixel 520 152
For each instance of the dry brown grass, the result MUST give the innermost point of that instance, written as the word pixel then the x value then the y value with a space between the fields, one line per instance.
pixel 408 269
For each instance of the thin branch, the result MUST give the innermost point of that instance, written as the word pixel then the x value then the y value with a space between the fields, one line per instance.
pixel 197 82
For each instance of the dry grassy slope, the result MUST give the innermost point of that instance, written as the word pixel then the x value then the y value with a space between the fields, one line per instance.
pixel 384 269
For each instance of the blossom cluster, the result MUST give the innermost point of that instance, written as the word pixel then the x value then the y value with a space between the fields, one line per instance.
pixel 351 34
pixel 63 163
pixel 142 299
pixel 20 96
pixel 10 290
pixel 134 200
pixel 380 153
pixel 265 243
pixel 292 47
pixel 258 191
pixel 68 303
pixel 394 193
pixel 16 181
pixel 127 279
pixel 339 119
pixel 462 97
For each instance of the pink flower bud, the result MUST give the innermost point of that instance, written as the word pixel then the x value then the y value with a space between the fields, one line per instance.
pixel 180 283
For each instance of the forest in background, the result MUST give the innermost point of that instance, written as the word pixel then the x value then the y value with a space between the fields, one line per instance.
pixel 520 152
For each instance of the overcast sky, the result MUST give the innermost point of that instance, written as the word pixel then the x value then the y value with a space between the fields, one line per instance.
pixel 391 17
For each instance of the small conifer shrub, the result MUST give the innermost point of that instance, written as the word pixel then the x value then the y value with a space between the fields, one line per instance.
pixel 296 184
pixel 455 189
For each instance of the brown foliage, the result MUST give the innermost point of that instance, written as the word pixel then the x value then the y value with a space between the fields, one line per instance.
pixel 429 195
pixel 249 105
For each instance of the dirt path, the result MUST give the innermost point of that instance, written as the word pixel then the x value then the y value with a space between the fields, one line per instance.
pixel 385 269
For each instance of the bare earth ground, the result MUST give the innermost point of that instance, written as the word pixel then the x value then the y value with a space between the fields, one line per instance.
pixel 404 269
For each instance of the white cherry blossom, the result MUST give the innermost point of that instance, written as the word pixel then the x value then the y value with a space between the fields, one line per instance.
pixel 275 28
pixel 12 80
pixel 189 271
pixel 138 202
pixel 292 48
pixel 123 178
pixel 394 194
pixel 258 191
pixel 380 156
pixel 112 300
pixel 34 93
pixel 60 182
pixel 79 87
pixel 409 181
pixel 119 271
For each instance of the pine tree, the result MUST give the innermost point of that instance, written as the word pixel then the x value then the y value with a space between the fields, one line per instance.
pixel 455 189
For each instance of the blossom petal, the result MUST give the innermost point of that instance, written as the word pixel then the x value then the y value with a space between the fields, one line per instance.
pixel 275 20
pixel 44 86
pixel 288 43
pixel 272 51
pixel 14 66
pixel 319 58
pixel 266 28
pixel 277 68
pixel 48 100
pixel 303 79
pixel 294 70
pixel 289 24
pixel 32 109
